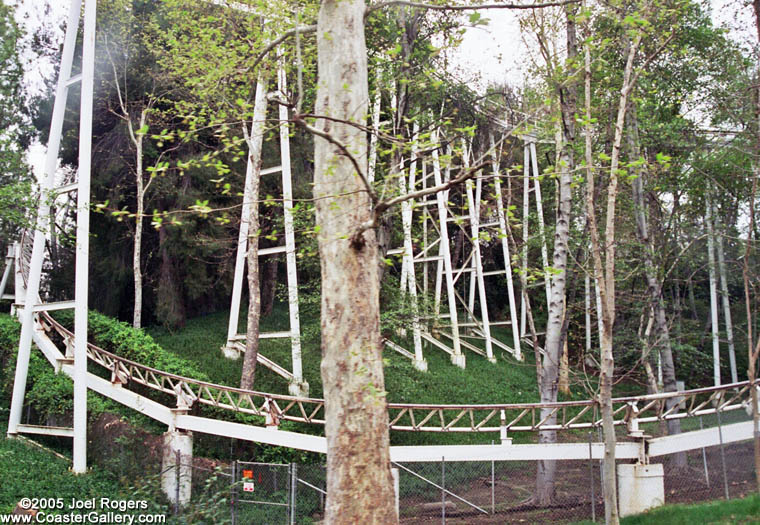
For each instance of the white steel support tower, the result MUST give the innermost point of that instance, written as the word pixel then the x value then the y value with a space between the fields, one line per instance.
pixel 531 173
pixel 32 303
pixel 235 340
pixel 449 331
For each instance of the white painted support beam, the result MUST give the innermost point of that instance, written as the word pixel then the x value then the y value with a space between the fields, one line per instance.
pixel 457 357
pixel 67 188
pixel 81 285
pixel 48 349
pixel 35 265
pixel 503 236
pixel 525 217
pixel 297 386
pixel 73 80
pixel 707 437
pixel 245 213
pixel 51 307
pixel 46 431
pixel 508 452
pixel 540 213
pixel 272 250
pixel 410 285
pixel 474 205
pixel 253 433
pixel 6 273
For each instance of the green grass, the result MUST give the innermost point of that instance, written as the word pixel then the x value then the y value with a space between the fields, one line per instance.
pixel 30 472
pixel 735 511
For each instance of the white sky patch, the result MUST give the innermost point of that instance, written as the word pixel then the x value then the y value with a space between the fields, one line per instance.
pixel 493 53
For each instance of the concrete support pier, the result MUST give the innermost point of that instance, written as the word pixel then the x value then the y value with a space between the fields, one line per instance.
pixel 640 488
pixel 176 483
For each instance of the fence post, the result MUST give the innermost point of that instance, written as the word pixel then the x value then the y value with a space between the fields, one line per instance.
pixel 293 487
pixel 443 491
pixel 591 476
pixel 178 464
pixel 233 492
pixel 704 458
pixel 722 452
pixel 493 485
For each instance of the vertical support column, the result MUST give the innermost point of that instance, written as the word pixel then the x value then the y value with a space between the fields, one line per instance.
pixel 83 240
pixel 457 357
pixel 525 217
pixel 475 230
pixel 541 227
pixel 35 265
pixel 505 249
pixel 411 284
pixel 19 289
pixel 7 271
pixel 713 290
pixel 375 127
pixel 298 387
pixel 242 246
pixel 396 487
pixel 176 476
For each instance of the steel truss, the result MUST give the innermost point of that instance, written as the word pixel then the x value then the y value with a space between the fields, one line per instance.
pixel 235 340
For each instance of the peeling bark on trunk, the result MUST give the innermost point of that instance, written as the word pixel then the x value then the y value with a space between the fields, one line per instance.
pixel 255 142
pixel 359 482
pixel 549 384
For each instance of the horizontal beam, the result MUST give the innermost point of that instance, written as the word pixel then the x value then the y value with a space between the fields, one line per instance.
pixel 252 433
pixel 509 452
pixel 49 307
pixel 707 437
pixel 46 431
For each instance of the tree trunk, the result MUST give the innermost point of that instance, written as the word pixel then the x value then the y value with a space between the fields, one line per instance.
pixel 170 307
pixel 359 482
pixel 726 305
pixel 269 286
pixel 255 141
pixel 714 327
pixel 136 255
pixel 654 285
pixel 548 387
pixel 606 275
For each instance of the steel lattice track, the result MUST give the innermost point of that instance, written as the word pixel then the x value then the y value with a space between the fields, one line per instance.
pixel 522 417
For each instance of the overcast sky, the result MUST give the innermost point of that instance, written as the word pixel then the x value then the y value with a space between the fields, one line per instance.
pixel 495 53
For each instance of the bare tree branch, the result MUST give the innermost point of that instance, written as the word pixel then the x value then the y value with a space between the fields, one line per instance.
pixel 473 7
pixel 298 119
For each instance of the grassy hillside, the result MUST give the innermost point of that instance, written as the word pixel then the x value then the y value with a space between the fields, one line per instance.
pixel 507 380
pixel 30 472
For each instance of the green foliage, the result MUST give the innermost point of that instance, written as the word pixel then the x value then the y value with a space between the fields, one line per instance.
pixel 29 472
pixel 743 510
pixel 125 341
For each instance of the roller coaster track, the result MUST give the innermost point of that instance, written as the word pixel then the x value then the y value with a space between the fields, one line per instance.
pixel 629 412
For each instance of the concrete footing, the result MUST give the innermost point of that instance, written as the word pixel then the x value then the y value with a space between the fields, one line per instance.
pixel 299 389
pixel 640 488
pixel 176 482
pixel 230 352
pixel 395 474
pixel 458 360
pixel 420 364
